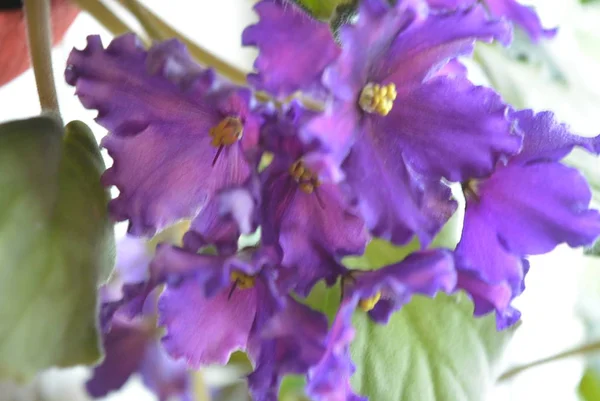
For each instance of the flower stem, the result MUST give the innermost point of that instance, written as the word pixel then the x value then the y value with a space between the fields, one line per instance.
pixel 37 15
pixel 585 349
pixel 104 16
pixel 202 55
pixel 141 14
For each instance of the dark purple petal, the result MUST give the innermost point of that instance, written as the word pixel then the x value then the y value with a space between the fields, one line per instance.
pixel 314 230
pixel 480 249
pixel 294 48
pixel 206 330
pixel 538 206
pixel 450 4
pixel 395 201
pixel 448 128
pixel 428 43
pixel 124 346
pixel 295 339
pixel 329 379
pixel 164 376
pixel 523 16
pixel 159 129
pixel 489 298
pixel 424 273
pixel 546 139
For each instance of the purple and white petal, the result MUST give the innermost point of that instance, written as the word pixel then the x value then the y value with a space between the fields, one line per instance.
pixel 164 376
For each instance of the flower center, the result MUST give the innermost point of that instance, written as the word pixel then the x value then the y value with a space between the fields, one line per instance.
pixel 376 98
pixel 368 304
pixel 226 133
pixel 242 280
pixel 471 189
pixel 306 179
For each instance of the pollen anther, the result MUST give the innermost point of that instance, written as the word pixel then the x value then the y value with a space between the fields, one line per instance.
pixel 306 179
pixel 227 132
pixel 368 304
pixel 242 280
pixel 376 98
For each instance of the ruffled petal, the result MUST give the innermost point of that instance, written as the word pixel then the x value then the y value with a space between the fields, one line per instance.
pixel 296 341
pixel 449 128
pixel 428 43
pixel 205 330
pixel 395 201
pixel 491 297
pixel 124 346
pixel 523 16
pixel 159 129
pixel 546 139
pixel 329 379
pixel 313 230
pixel 294 49
pixel 539 206
pixel 424 273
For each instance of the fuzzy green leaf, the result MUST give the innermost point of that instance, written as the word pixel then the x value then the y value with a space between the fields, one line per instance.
pixel 56 245
pixel 431 350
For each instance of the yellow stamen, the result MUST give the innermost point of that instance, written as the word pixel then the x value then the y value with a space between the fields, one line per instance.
pixel 375 98
pixel 368 304
pixel 242 280
pixel 306 179
pixel 227 132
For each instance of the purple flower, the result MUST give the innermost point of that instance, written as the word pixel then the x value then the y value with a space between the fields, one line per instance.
pixel 176 135
pixel 524 16
pixel 398 126
pixel 215 305
pixel 294 49
pixel 131 345
pixel 526 207
pixel 379 293
pixel 303 210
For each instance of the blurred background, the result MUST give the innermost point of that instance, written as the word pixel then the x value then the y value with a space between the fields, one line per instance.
pixel 563 297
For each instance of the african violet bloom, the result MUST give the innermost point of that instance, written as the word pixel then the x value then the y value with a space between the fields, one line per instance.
pixel 215 305
pixel 379 293
pixel 177 135
pixel 526 207
pixel 399 127
pixel 132 345
pixel 303 210
pixel 523 16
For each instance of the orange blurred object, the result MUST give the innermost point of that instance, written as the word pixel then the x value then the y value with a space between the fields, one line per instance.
pixel 14 56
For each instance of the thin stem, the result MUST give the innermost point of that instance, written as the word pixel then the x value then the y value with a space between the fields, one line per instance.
pixel 577 351
pixel 104 16
pixel 202 55
pixel 141 14
pixel 37 15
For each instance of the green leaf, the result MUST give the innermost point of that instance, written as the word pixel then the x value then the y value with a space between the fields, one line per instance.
pixel 56 245
pixel 322 9
pixel 431 350
pixel 589 386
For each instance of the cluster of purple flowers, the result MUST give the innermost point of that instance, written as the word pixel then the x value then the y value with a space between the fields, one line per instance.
pixel 399 123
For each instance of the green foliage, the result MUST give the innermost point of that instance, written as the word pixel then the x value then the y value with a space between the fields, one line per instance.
pixel 589 386
pixel 56 245
pixel 322 9
pixel 431 350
